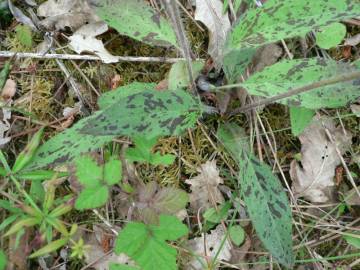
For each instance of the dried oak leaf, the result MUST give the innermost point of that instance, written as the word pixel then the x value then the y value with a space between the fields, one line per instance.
pixel 314 177
pixel 207 246
pixel 204 187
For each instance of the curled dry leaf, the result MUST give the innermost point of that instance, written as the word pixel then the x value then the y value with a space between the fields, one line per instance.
pixel 61 14
pixel 210 13
pixel 314 177
pixel 204 187
pixel 207 246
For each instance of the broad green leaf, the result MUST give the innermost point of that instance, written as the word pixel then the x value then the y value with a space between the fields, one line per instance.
pixel 151 114
pixel 136 19
pixel 148 114
pixel 300 118
pixel 352 240
pixel 112 97
pixel 237 234
pixel 265 200
pixel 3 260
pixel 49 248
pixel 217 215
pixel 179 74
pixel 330 35
pixel 146 244
pixel 23 35
pixel 112 171
pixel 92 198
pixel 88 172
pixel 115 266
pixel 27 154
pixel 4 73
pixel 277 20
pixel 289 74
pixel 143 152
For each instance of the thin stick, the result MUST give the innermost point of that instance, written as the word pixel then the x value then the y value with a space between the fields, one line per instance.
pixel 292 92
pixel 151 59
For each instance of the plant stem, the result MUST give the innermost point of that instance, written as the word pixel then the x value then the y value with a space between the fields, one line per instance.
pixel 291 92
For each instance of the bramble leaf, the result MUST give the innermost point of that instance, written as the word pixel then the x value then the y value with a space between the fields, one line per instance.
pixel 146 245
pixel 112 171
pixel 88 172
pixel 265 199
pixel 142 152
pixel 92 197
pixel 290 74
pixel 136 19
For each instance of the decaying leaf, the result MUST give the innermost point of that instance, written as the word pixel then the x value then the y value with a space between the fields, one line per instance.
pixel 314 178
pixel 62 14
pixel 204 187
pixel 207 246
pixel 210 13
pixel 84 40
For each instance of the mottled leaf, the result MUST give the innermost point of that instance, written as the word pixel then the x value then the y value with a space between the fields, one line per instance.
pixel 289 74
pixel 148 114
pixel 171 113
pixel 146 245
pixel 300 118
pixel 265 199
pixel 277 20
pixel 136 19
pixel 330 35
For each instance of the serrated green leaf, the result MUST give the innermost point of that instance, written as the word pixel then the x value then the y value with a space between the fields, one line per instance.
pixel 265 199
pixel 148 114
pixel 146 245
pixel 151 114
pixel 49 248
pixel 179 74
pixel 112 171
pixel 277 20
pixel 23 35
pixel 289 74
pixel 92 198
pixel 88 172
pixel 330 35
pixel 3 260
pixel 142 152
pixel 300 118
pixel 352 240
pixel 136 19
pixel 237 234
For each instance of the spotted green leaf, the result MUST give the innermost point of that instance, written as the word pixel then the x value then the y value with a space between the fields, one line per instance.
pixel 278 19
pixel 149 114
pixel 300 118
pixel 129 114
pixel 142 152
pixel 290 74
pixel 331 35
pixel 146 244
pixel 265 199
pixel 136 19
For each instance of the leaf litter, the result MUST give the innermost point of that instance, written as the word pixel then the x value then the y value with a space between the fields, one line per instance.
pixel 313 178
